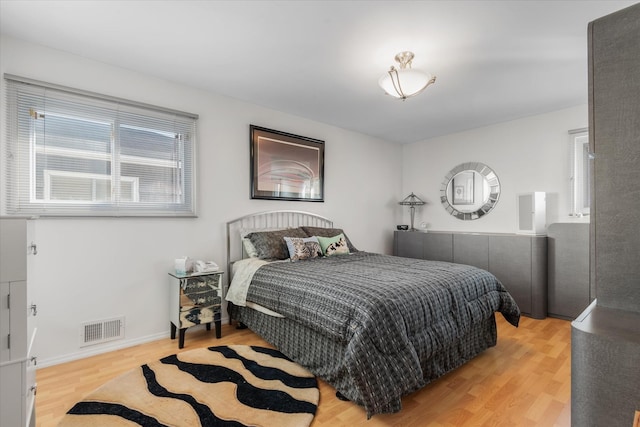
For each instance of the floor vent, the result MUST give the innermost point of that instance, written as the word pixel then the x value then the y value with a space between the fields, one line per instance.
pixel 101 331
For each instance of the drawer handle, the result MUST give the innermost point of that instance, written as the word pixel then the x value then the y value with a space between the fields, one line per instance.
pixel 34 309
pixel 34 389
pixel 34 360
pixel 33 249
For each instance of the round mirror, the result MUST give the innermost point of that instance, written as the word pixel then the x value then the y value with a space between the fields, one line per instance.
pixel 470 190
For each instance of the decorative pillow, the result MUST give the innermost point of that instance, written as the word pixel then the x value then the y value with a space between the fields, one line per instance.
pixel 303 248
pixel 249 249
pixel 271 244
pixel 333 245
pixel 328 232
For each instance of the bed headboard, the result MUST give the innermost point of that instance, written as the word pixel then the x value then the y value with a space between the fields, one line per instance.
pixel 269 219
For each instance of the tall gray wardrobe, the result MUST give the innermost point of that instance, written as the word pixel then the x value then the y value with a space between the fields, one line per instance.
pixel 605 358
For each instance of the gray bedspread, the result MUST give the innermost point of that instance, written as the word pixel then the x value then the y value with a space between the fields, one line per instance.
pixel 391 315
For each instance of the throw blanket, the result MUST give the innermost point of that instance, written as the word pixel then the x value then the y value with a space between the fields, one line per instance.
pixel 390 313
pixel 243 272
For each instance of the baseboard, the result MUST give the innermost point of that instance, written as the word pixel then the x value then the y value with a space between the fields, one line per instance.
pixel 107 347
pixel 561 317
pixel 100 349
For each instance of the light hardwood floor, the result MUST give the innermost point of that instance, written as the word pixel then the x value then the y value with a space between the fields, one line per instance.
pixel 523 381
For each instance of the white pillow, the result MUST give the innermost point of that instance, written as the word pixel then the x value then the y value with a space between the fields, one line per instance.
pixel 249 249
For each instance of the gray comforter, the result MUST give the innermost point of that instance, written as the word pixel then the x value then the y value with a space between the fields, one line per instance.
pixel 392 316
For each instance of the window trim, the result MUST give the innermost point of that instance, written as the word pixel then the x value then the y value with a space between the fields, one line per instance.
pixel 579 183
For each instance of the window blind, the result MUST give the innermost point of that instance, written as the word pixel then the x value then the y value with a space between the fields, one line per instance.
pixel 75 153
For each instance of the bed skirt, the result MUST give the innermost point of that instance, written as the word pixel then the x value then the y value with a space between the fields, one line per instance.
pixel 327 360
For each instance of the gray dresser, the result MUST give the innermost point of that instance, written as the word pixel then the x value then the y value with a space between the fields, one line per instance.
pixel 605 338
pixel 568 255
pixel 518 261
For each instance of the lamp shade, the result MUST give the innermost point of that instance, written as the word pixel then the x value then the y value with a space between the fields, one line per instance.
pixel 405 83
pixel 412 200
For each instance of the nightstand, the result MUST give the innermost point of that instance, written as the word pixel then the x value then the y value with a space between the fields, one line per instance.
pixel 195 299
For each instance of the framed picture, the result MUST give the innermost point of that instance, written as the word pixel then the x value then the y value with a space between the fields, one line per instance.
pixel 286 166
pixel 463 188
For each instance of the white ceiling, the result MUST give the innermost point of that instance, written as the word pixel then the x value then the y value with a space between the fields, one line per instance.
pixel 494 60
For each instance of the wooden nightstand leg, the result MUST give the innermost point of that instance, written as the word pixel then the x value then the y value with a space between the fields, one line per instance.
pixel 173 331
pixel 218 329
pixel 181 339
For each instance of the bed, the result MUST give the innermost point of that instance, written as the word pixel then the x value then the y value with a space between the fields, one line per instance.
pixel 376 327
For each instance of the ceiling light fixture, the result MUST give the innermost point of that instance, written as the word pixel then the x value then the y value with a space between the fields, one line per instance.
pixel 405 82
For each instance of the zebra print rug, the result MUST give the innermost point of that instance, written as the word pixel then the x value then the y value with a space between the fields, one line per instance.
pixel 232 385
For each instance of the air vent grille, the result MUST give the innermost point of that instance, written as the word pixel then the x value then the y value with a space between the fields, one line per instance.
pixel 100 331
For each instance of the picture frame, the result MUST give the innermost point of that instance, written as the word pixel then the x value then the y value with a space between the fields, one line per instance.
pixel 285 166
pixel 463 188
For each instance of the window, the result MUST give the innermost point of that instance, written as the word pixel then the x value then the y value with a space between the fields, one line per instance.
pixel 70 152
pixel 580 172
pixel 86 187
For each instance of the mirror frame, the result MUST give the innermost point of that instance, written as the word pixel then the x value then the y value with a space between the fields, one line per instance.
pixel 494 190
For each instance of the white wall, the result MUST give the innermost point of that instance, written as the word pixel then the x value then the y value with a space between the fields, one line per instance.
pixel 89 269
pixel 529 154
